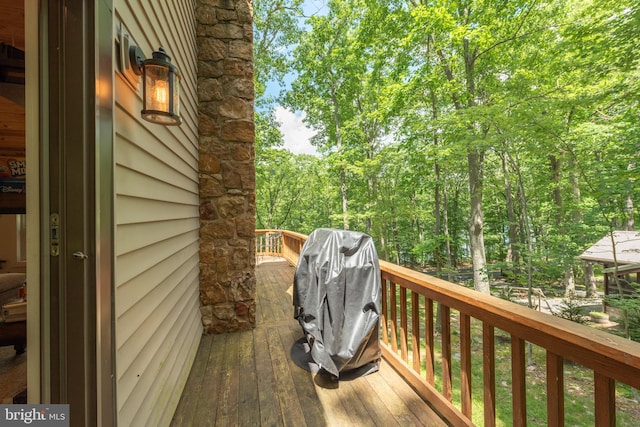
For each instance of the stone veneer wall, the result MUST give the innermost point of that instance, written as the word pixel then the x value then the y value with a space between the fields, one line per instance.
pixel 226 166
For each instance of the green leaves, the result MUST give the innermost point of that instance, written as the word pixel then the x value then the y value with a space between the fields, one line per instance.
pixel 402 93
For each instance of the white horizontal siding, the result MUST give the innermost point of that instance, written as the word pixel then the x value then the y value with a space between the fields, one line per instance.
pixel 144 350
pixel 172 149
pixel 152 263
pixel 134 236
pixel 137 158
pixel 132 183
pixel 136 210
pixel 157 309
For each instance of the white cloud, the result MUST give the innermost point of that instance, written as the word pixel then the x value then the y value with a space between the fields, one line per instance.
pixel 296 134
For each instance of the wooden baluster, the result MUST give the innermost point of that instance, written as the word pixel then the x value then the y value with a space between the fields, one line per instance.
pixel 415 330
pixel 518 382
pixel 465 364
pixel 429 340
pixel 555 390
pixel 489 374
pixel 445 320
pixel 394 316
pixel 605 400
pixel 257 244
pixel 268 244
pixel 404 353
pixel 384 321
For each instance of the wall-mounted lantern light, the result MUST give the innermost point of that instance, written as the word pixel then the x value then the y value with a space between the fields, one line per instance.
pixel 160 86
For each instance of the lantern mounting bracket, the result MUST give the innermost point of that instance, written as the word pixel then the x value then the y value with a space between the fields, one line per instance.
pixel 136 59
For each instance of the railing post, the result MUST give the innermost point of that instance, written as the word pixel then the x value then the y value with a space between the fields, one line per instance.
pixel 605 398
pixel 403 324
pixel 384 321
pixel 429 340
pixel 445 325
pixel 518 382
pixel 465 364
pixel 489 374
pixel 415 330
pixel 555 390
pixel 394 316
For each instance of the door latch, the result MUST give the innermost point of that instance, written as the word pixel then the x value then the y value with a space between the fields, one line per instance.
pixel 54 224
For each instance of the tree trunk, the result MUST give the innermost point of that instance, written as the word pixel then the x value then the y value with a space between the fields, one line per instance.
pixel 512 253
pixel 557 193
pixel 396 244
pixel 576 216
pixel 475 163
pixel 343 178
pixel 476 160
pixel 437 228
pixel 629 223
pixel 629 220
pixel 476 234
pixel 569 282
pixel 589 279
pixel 437 209
pixel 447 237
pixel 556 166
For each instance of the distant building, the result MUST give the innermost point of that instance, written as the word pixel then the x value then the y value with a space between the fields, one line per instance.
pixel 626 257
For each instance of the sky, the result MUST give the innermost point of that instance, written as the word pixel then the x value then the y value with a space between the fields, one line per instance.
pixel 295 133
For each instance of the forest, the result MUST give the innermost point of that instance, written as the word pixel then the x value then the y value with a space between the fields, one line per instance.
pixel 457 133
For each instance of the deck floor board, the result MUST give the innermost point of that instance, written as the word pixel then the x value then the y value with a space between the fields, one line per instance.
pixel 248 378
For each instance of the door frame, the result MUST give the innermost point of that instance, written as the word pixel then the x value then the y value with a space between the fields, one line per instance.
pixel 69 114
pixel 33 113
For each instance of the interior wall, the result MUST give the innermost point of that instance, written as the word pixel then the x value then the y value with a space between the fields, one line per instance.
pixel 9 246
pixel 12 126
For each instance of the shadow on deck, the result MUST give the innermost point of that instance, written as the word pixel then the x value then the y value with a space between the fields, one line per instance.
pixel 248 378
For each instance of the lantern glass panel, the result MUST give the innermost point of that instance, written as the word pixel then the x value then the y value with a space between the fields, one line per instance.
pixel 156 88
pixel 161 95
pixel 175 84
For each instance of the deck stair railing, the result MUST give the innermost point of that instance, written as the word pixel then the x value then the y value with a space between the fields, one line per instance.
pixel 410 303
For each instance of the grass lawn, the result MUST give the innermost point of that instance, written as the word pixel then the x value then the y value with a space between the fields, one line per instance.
pixel 578 381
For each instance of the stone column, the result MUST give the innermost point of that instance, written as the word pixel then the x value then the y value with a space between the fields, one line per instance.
pixel 226 165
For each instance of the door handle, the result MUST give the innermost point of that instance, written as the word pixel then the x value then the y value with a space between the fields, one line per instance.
pixel 80 255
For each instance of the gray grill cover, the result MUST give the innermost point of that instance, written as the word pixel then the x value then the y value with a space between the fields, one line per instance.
pixel 336 295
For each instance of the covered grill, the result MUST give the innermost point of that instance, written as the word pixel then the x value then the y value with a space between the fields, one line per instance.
pixel 336 295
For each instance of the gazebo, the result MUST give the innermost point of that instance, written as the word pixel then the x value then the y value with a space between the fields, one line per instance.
pixel 625 259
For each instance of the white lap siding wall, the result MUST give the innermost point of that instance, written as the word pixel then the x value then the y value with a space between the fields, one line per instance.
pixel 157 310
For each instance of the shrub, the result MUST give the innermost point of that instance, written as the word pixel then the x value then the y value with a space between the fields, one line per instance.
pixel 571 309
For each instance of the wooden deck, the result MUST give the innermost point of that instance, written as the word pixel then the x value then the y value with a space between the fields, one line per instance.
pixel 248 378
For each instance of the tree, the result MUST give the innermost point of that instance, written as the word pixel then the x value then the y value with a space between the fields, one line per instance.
pixel 337 86
pixel 464 42
pixel 530 105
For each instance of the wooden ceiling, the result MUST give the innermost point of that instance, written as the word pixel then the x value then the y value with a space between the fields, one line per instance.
pixel 12 127
pixel 12 23
pixel 12 116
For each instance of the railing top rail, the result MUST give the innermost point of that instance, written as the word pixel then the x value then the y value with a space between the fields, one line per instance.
pixel 300 236
pixel 601 351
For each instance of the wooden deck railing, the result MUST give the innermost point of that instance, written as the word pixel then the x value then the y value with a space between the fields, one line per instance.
pixel 408 340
